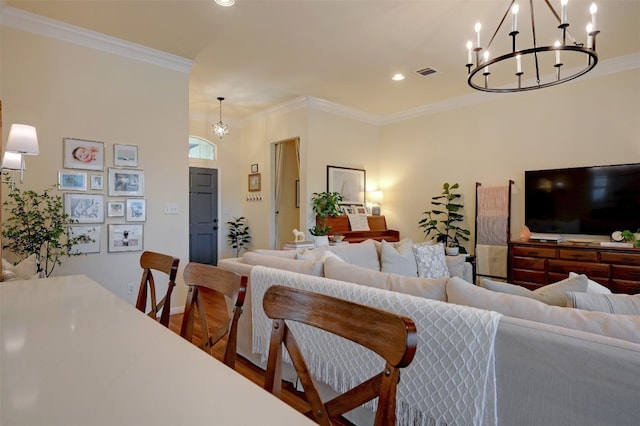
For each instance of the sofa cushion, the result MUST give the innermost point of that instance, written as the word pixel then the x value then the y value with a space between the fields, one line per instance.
pixel 431 260
pixel 24 270
pixel 551 294
pixel 398 258
pixel 625 327
pixel 430 288
pixel 362 254
pixel 626 304
pixel 289 254
pixel 593 286
pixel 293 265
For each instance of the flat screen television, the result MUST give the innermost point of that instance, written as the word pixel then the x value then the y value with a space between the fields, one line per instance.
pixel 583 200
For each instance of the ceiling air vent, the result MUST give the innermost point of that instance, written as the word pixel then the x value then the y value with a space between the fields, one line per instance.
pixel 427 71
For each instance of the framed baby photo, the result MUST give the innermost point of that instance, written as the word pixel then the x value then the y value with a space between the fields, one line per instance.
pixel 125 155
pixel 83 154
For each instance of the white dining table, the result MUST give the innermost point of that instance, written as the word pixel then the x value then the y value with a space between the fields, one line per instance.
pixel 73 353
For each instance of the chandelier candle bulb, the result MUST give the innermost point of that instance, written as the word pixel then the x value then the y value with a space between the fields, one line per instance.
pixel 589 36
pixel 486 59
pixel 557 45
pixel 469 48
pixel 514 12
pixel 519 64
pixel 477 28
pixel 593 9
pixel 564 11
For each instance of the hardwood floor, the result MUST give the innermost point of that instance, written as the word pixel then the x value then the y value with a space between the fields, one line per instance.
pixel 215 304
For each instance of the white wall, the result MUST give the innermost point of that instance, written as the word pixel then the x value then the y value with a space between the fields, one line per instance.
pixel 589 122
pixel 67 90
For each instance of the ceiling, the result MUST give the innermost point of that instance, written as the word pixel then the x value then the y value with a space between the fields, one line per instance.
pixel 261 53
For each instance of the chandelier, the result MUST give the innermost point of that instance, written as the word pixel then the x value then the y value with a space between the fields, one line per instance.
pixel 220 129
pixel 560 62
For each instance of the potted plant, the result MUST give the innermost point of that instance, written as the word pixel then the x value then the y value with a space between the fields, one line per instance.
pixel 443 220
pixel 239 236
pixel 324 205
pixel 38 225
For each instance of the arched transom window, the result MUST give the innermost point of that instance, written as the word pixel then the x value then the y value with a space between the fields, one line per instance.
pixel 202 149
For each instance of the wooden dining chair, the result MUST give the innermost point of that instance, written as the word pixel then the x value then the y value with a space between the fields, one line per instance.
pixel 391 336
pixel 151 261
pixel 234 286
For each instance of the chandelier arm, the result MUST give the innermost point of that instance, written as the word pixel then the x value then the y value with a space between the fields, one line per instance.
pixel 500 24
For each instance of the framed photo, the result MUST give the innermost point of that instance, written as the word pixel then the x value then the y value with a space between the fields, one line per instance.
pixel 125 155
pixel 72 181
pixel 254 182
pixel 126 182
pixel 254 168
pixel 136 210
pixel 88 239
pixel 125 237
pixel 346 209
pixel 351 183
pixel 297 193
pixel 85 208
pixel 115 209
pixel 83 154
pixel 96 182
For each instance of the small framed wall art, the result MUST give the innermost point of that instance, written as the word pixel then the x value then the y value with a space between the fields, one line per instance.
pixel 96 182
pixel 136 210
pixel 125 155
pixel 125 237
pixel 126 182
pixel 254 168
pixel 85 208
pixel 69 181
pixel 115 209
pixel 255 183
pixel 88 239
pixel 83 154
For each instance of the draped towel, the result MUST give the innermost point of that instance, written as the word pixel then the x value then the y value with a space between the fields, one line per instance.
pixel 451 380
pixel 493 201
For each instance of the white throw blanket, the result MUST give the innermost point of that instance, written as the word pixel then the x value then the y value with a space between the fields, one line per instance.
pixel 451 380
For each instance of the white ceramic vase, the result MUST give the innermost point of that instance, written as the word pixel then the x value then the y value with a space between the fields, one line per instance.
pixel 452 251
pixel 321 240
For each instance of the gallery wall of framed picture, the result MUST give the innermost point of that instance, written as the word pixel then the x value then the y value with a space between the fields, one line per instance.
pixel 95 192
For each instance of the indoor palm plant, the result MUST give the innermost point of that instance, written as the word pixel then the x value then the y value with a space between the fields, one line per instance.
pixel 37 224
pixel 239 236
pixel 324 205
pixel 444 218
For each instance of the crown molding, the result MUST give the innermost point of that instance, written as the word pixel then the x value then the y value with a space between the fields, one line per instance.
pixel 606 67
pixel 36 24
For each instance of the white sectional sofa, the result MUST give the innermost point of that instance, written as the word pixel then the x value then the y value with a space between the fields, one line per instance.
pixel 553 365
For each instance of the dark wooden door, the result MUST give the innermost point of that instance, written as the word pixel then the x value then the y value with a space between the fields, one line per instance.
pixel 203 215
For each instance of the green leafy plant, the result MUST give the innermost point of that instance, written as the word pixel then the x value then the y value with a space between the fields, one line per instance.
pixel 444 218
pixel 324 205
pixel 37 224
pixel 239 236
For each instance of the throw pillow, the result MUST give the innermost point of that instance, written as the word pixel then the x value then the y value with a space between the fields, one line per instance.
pixel 362 254
pixel 431 260
pixel 626 304
pixel 398 258
pixel 625 327
pixel 430 288
pixel 551 294
pixel 290 254
pixel 26 269
pixel 593 286
pixel 293 265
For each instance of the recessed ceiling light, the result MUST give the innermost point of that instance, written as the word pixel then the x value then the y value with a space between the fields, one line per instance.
pixel 397 77
pixel 225 3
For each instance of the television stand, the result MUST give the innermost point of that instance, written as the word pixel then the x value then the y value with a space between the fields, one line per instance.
pixel 533 264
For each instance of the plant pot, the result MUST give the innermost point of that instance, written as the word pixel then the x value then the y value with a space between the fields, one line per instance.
pixel 452 251
pixel 321 240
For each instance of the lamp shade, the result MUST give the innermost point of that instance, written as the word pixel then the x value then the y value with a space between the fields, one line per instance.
pixel 23 139
pixel 375 197
pixel 11 161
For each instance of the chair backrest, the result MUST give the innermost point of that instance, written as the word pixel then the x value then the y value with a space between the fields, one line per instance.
pixel 391 336
pixel 151 261
pixel 234 286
